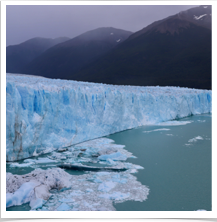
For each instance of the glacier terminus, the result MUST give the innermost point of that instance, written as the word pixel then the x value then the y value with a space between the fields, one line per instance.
pixel 44 114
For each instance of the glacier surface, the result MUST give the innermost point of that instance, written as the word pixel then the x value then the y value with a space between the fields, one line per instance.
pixel 43 115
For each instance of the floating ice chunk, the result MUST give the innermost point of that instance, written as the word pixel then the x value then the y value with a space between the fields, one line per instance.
pixel 65 200
pixel 169 134
pixel 111 162
pixel 22 195
pixel 63 207
pixel 195 139
pixel 58 156
pixel 115 196
pixel 118 40
pixel 106 186
pixel 42 192
pixel 44 209
pixel 44 160
pixel 21 164
pixel 113 156
pixel 89 190
pixel 133 166
pixel 174 123
pixel 84 194
pixel 107 150
pixel 118 179
pixel 37 203
pixel 103 173
pixel 39 161
pixel 155 130
pixel 202 121
pixel 76 193
pixel 29 187
pixel 97 180
pixel 133 171
pixel 200 210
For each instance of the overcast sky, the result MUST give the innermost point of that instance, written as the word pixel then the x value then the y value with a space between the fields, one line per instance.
pixel 25 22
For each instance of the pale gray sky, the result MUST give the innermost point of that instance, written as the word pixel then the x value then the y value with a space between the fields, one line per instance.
pixel 49 21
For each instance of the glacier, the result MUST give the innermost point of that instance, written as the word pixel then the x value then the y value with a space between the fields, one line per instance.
pixel 44 114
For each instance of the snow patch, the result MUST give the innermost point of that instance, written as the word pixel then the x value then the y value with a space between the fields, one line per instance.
pixel 199 17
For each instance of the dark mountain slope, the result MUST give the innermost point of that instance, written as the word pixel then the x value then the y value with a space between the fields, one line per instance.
pixel 199 16
pixel 18 56
pixel 174 52
pixel 64 60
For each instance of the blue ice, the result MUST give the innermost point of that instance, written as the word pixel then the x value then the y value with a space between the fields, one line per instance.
pixel 44 114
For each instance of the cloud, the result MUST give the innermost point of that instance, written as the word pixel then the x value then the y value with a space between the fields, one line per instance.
pixel 28 21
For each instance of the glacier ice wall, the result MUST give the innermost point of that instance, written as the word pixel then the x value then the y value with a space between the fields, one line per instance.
pixel 44 114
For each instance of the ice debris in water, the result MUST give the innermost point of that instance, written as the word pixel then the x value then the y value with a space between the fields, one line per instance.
pixel 174 123
pixel 54 189
pixel 34 186
pixel 82 194
pixel 113 156
pixel 44 114
pixel 163 129
pixel 64 207
pixel 195 139
pixel 202 121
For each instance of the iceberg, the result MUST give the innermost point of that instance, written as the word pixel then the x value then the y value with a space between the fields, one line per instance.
pixel 34 187
pixel 22 195
pixel 195 139
pixel 64 207
pixel 56 190
pixel 113 156
pixel 44 114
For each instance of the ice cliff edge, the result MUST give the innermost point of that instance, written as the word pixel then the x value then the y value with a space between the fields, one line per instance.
pixel 46 114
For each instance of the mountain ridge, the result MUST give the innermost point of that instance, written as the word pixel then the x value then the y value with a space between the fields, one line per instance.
pixel 18 56
pixel 174 51
pixel 169 52
pixel 69 57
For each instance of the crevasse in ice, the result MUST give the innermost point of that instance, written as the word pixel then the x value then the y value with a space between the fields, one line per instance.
pixel 46 114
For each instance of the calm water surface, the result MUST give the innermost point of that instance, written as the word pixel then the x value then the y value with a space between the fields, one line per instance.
pixel 178 175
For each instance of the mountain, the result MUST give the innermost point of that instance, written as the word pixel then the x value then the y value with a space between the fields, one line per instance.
pixel 66 59
pixel 175 51
pixel 18 56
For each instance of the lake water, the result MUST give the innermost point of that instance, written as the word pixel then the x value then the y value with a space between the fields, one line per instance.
pixel 176 161
pixel 177 172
